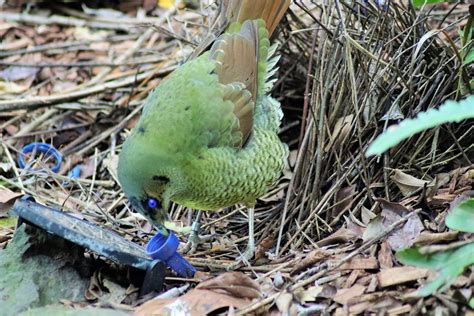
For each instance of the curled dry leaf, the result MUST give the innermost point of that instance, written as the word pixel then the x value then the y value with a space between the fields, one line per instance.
pixel 409 184
pixel 264 246
pixel 432 238
pixel 342 235
pixel 235 284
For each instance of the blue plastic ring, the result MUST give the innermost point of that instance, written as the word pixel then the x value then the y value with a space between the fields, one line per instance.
pixel 41 148
pixel 163 247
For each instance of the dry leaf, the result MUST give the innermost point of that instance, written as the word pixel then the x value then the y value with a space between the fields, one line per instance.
pixel 344 199
pixel 310 294
pixel 232 283
pixel 283 302
pixel 196 302
pixel 7 199
pixel 310 259
pixel 340 236
pixel 264 246
pixel 14 73
pixel 366 215
pixel 385 256
pixel 432 238
pixel 340 131
pixel 231 290
pixel 407 183
pixel 11 88
pixel 116 293
pixel 391 213
pixel 343 296
pixel 360 263
pixel 355 274
pixel 400 275
pixel 111 163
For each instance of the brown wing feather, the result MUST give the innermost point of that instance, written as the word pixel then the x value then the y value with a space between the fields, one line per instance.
pixel 236 55
pixel 243 108
pixel 236 67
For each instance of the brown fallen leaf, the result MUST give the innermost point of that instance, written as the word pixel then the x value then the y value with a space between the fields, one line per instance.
pixel 366 215
pixel 400 310
pixel 232 283
pixel 310 294
pixel 385 256
pixel 352 278
pixel 433 238
pixel 409 184
pixel 344 199
pixel 7 199
pixel 228 290
pixel 400 275
pixel 264 246
pixel 340 131
pixel 360 263
pixel 197 302
pixel 391 213
pixel 344 296
pixel 342 235
pixel 283 302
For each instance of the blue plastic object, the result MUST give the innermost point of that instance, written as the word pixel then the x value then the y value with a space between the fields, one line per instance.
pixel 75 172
pixel 44 148
pixel 165 249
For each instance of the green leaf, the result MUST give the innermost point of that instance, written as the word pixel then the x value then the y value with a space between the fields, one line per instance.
pixel 450 111
pixel 461 217
pixel 419 3
pixel 469 57
pixel 449 264
pixel 413 257
pixel 471 302
pixel 8 222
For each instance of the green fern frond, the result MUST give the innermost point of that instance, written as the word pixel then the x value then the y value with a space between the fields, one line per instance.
pixel 450 111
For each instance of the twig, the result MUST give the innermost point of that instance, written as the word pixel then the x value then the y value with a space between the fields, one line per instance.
pixel 62 20
pixel 85 64
pixel 37 102
pixel 58 46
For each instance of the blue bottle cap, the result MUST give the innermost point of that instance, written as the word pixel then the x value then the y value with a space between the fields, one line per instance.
pixel 44 148
pixel 165 249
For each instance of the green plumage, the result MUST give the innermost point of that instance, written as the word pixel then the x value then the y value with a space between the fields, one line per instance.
pixel 183 148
